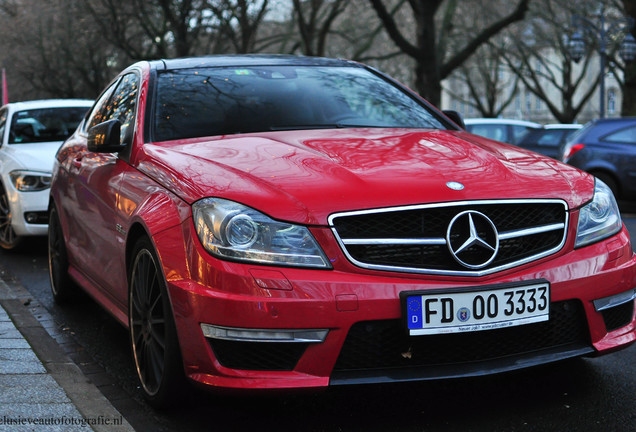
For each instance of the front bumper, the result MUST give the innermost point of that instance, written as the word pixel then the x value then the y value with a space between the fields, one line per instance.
pixel 346 299
pixel 34 204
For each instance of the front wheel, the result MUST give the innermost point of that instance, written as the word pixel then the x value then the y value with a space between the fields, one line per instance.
pixel 62 287
pixel 152 330
pixel 8 238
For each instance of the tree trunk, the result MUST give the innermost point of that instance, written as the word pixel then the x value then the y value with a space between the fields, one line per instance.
pixel 427 76
pixel 628 108
pixel 432 64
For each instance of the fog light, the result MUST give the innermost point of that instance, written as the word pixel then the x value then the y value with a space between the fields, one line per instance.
pixel 263 335
pixel 41 218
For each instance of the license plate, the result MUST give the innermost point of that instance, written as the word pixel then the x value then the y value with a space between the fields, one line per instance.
pixel 476 308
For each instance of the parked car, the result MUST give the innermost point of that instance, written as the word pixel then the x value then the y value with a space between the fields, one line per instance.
pixel 606 148
pixel 549 139
pixel 276 222
pixel 30 134
pixel 503 130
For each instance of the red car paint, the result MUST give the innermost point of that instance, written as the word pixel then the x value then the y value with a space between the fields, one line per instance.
pixel 106 201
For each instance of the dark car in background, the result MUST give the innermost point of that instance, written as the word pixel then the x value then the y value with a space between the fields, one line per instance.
pixel 549 139
pixel 606 148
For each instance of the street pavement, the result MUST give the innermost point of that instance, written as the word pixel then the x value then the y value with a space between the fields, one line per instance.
pixel 41 388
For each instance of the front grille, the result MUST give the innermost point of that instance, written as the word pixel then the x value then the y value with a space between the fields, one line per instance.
pixel 381 345
pixel 263 356
pixel 420 238
pixel 618 316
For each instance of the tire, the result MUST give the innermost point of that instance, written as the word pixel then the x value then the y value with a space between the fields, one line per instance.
pixel 153 335
pixel 8 238
pixel 62 287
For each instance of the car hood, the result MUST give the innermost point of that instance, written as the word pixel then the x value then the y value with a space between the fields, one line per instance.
pixel 32 156
pixel 303 176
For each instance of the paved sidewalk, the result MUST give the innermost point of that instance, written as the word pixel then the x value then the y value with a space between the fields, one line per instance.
pixel 41 389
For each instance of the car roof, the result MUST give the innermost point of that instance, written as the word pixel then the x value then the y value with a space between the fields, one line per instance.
pixel 563 126
pixel 248 60
pixel 472 121
pixel 50 103
pixel 615 120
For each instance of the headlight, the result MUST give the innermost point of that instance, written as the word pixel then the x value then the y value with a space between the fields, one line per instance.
pixel 231 230
pixel 30 181
pixel 600 218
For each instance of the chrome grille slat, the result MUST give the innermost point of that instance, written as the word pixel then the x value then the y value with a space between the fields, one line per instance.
pixel 530 231
pixel 414 238
pixel 392 241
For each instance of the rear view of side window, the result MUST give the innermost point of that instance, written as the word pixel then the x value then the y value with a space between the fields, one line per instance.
pixel 624 136
pixel 124 102
pixel 3 124
pixel 118 102
pixel 100 111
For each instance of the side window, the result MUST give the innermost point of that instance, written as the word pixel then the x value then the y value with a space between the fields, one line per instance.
pixel 118 102
pixel 550 138
pixel 518 132
pixel 492 131
pixel 3 123
pixel 100 110
pixel 625 136
pixel 124 102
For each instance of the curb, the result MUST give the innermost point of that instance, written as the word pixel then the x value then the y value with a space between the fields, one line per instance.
pixel 82 392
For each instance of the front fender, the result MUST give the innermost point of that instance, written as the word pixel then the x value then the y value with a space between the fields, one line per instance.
pixel 161 211
pixel 158 214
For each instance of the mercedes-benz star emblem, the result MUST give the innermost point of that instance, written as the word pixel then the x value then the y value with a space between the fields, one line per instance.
pixel 472 239
pixel 455 185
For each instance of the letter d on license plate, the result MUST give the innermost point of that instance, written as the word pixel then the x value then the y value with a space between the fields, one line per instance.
pixel 476 308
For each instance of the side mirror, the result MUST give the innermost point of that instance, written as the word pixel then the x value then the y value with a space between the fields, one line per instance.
pixel 105 137
pixel 456 117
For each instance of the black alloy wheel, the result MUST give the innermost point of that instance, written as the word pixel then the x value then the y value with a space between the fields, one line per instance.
pixel 152 331
pixel 62 287
pixel 8 238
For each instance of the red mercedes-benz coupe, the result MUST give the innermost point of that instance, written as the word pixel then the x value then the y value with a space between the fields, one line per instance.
pixel 285 222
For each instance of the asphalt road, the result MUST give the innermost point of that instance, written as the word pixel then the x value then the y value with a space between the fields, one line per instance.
pixel 597 394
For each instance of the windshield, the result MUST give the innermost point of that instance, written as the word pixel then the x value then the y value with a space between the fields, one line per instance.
pixel 45 125
pixel 229 100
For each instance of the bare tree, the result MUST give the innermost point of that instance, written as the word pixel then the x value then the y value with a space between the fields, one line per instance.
pixel 146 29
pixel 238 22
pixel 62 54
pixel 434 61
pixel 370 42
pixel 542 60
pixel 491 87
pixel 315 19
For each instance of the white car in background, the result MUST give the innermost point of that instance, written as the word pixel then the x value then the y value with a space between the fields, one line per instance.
pixel 30 135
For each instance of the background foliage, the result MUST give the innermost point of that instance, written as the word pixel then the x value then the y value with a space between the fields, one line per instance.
pixel 73 48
